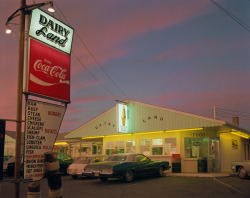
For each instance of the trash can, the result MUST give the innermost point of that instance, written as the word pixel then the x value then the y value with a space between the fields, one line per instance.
pixel 202 165
pixel 176 163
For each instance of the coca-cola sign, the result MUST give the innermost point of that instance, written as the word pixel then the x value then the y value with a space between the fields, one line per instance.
pixel 49 72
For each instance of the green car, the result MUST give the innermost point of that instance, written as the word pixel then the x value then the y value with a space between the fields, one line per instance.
pixel 64 161
pixel 126 167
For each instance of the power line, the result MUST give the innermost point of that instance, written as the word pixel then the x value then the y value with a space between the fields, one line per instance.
pixel 244 25
pixel 95 59
pixel 233 112
pixel 93 75
pixel 230 113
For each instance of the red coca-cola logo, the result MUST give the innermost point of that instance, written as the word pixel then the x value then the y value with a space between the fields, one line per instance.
pixel 53 71
pixel 49 71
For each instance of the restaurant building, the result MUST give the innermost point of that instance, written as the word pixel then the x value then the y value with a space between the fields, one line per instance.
pixel 191 143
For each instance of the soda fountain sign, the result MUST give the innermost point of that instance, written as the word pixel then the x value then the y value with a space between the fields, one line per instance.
pixel 51 31
pixel 48 72
pixel 122 119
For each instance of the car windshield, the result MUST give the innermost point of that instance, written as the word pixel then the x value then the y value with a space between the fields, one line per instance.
pixel 62 156
pixel 116 158
pixel 82 160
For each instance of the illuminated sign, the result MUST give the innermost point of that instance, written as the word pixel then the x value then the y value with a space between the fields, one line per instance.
pixel 42 125
pixel 48 72
pixel 51 31
pixel 122 118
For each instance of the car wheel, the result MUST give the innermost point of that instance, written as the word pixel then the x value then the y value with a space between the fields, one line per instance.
pixel 74 176
pixel 104 179
pixel 160 171
pixel 242 172
pixel 128 176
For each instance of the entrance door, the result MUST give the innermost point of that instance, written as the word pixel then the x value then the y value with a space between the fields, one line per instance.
pixel 214 154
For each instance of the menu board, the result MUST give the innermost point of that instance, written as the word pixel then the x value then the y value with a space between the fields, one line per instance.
pixel 42 125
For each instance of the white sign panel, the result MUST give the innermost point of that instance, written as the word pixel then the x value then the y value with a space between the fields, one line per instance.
pixel 51 31
pixel 42 125
pixel 122 118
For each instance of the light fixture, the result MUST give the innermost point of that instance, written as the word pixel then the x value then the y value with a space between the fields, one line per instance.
pixel 51 9
pixel 8 30
pixel 244 135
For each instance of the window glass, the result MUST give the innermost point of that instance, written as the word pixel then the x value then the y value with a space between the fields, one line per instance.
pixel 109 148
pixel 116 158
pixel 141 158
pixel 196 147
pixel 119 147
pixel 130 146
pixel 82 160
pixel 157 146
pixel 145 143
pixel 156 142
pixel 157 150
pixel 145 147
pixel 110 145
pixel 170 146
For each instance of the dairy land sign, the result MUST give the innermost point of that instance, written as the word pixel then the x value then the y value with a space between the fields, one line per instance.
pixel 42 125
pixel 48 72
pixel 51 31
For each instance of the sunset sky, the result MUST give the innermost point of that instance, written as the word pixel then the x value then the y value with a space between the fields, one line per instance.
pixel 186 55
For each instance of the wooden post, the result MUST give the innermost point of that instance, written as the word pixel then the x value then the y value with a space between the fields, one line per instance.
pixel 34 190
pixel 19 98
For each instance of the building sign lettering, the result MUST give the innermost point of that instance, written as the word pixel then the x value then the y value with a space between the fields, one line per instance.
pixel 105 123
pixel 152 118
pixel 51 31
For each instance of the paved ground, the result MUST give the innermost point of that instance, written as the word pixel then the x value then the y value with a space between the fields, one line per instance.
pixel 155 187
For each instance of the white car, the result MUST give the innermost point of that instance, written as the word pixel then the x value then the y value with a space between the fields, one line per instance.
pixel 77 167
pixel 242 168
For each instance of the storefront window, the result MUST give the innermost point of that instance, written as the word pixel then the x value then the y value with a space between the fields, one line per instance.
pixel 157 147
pixel 145 147
pixel 170 146
pixel 130 146
pixel 119 146
pixel 196 147
pixel 109 148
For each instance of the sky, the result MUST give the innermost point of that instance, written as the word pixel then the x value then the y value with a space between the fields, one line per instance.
pixel 184 55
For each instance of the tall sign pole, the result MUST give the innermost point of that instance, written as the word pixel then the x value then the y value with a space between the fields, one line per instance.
pixel 19 98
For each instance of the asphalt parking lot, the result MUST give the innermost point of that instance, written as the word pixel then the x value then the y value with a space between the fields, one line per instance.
pixel 168 186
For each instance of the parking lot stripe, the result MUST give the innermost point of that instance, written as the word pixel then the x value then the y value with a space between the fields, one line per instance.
pixel 228 186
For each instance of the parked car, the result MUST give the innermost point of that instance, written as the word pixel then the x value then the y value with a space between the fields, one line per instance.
pixel 242 168
pixel 64 161
pixel 7 157
pixel 77 167
pixel 9 166
pixel 126 167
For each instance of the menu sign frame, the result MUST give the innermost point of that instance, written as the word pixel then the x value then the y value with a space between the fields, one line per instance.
pixel 42 124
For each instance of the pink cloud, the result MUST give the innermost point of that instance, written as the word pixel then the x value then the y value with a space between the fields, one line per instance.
pixel 89 99
pixel 134 22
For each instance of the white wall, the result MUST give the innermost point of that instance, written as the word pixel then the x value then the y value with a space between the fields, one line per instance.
pixel 229 152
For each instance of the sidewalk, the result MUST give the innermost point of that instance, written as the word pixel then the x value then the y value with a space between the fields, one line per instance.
pixel 201 174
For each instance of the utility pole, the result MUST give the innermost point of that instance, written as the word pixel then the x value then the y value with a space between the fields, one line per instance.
pixel 19 98
pixel 214 112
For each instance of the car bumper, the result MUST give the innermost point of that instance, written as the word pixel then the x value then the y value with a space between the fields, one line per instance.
pixel 100 174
